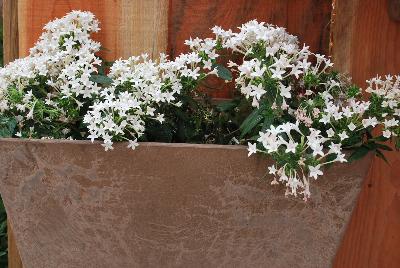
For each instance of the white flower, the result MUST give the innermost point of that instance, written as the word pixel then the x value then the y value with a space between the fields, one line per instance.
pixel 326 118
pixel 347 112
pixel 133 144
pixel 370 122
pixel 257 91
pixel 387 133
pixel 160 118
pixel 343 135
pixel 274 182
pixel 285 91
pixel 291 147
pixel 252 148
pixel 351 126
pixel 335 148
pixel 272 170
pixel 391 123
pixel 315 171
pixel 330 132
pixel 341 158
pixel 308 92
pixel 107 145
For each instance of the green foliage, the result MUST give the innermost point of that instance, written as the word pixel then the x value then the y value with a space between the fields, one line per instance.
pixel 359 153
pixel 251 122
pixel 101 79
pixel 311 80
pixel 227 105
pixel 223 72
pixel 372 145
pixel 260 119
pixel 3 236
pixel 198 119
pixel 376 108
pixel 7 126
pixel 353 91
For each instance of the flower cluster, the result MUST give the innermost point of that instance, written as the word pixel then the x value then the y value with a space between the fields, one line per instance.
pixel 53 83
pixel 385 104
pixel 273 63
pixel 280 141
pixel 139 84
pixel 69 54
pixel 304 111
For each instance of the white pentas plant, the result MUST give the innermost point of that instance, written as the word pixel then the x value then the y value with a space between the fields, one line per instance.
pixel 291 105
pixel 69 53
pixel 305 113
pixel 139 85
pixel 385 104
pixel 268 52
pixel 44 92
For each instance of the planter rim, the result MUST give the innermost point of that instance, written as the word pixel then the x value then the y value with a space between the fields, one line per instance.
pixel 120 144
pixel 123 143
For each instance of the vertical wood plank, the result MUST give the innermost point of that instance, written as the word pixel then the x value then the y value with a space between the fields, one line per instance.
pixel 365 39
pixel 14 259
pixel 128 27
pixel 10 46
pixel 10 30
pixel 365 43
pixel 308 19
pixel 143 28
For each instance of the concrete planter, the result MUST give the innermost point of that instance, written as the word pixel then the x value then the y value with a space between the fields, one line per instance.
pixel 167 205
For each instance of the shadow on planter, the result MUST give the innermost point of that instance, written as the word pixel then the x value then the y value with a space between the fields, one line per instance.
pixel 73 205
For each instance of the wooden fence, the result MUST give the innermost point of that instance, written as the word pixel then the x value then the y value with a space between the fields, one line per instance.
pixel 362 36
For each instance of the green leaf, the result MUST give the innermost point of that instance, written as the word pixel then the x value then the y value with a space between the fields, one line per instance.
pixel 330 158
pixel 379 154
pixel 104 49
pixel 380 138
pixel 250 122
pixel 254 138
pixel 101 79
pixel 2 208
pixel 268 120
pixel 359 153
pixel 3 227
pixel 223 72
pixel 158 132
pixel 7 126
pixel 383 147
pixel 227 105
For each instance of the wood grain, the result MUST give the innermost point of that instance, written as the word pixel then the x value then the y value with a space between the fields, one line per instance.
pixel 365 43
pixel 14 259
pixel 393 7
pixel 128 27
pixel 372 238
pixel 10 46
pixel 10 30
pixel 365 40
pixel 308 19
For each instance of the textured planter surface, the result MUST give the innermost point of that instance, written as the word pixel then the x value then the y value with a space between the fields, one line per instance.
pixel 167 205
